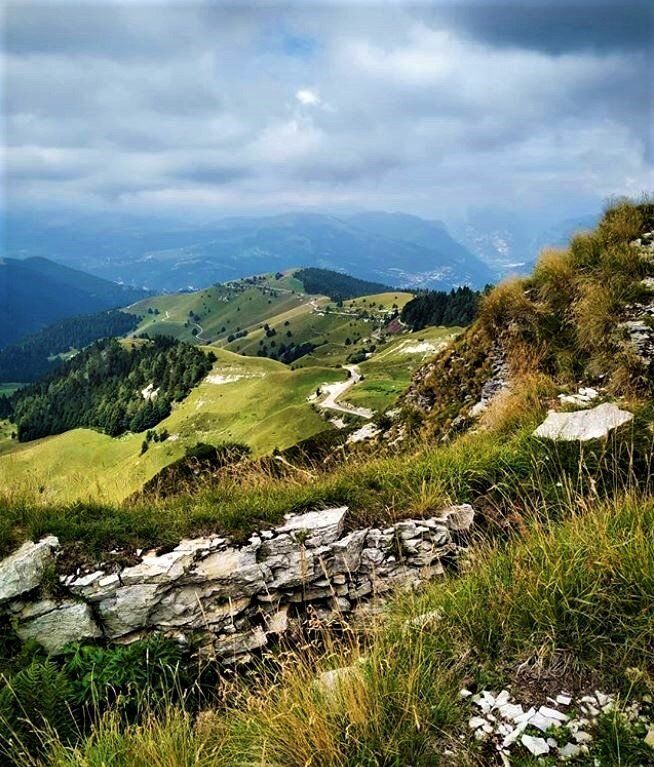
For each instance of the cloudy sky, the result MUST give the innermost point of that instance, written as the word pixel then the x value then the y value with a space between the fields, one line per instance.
pixel 206 109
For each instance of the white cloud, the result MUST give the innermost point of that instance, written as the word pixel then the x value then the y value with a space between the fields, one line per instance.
pixel 200 105
pixel 307 97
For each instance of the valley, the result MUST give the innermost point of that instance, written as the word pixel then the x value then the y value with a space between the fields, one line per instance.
pixel 249 397
pixel 259 402
pixel 327 384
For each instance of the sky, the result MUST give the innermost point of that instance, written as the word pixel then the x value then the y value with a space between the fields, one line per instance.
pixel 194 110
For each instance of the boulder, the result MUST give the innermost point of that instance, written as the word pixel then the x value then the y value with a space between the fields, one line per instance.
pixel 233 645
pixel 235 570
pixel 23 571
pixel 55 624
pixel 459 518
pixel 583 425
pixel 316 528
pixel 329 682
pixel 128 609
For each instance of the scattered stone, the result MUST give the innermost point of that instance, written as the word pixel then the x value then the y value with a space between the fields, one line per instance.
pixel 535 746
pixel 504 723
pixel 583 397
pixel 364 434
pixel 583 425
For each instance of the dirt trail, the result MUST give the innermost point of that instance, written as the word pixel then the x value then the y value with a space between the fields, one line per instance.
pixel 336 390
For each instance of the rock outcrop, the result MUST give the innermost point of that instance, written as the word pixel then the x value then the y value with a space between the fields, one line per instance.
pixel 24 570
pixel 495 385
pixel 583 425
pixel 224 599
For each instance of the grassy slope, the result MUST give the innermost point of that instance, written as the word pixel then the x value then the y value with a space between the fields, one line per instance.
pixel 389 300
pixel 242 305
pixel 567 605
pixel 388 372
pixel 9 388
pixel 562 596
pixel 266 408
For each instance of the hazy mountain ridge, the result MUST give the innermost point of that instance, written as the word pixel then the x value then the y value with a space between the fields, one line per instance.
pixel 510 243
pixel 390 248
pixel 36 292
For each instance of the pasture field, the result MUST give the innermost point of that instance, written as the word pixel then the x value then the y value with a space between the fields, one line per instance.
pixel 257 401
pixel 389 371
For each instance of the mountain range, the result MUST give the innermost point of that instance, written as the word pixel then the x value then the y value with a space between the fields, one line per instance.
pixel 510 243
pixel 391 248
pixel 396 249
pixel 36 292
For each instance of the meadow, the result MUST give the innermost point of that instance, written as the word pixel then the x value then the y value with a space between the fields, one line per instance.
pixel 259 402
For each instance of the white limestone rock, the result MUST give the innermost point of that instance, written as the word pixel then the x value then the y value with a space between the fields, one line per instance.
pixel 584 396
pixel 315 528
pixel 583 425
pixel 155 568
pixel 23 570
pixel 235 570
pixel 55 624
pixel 243 643
pixel 328 682
pixel 347 553
pixel 128 609
pixel 459 518
pixel 535 746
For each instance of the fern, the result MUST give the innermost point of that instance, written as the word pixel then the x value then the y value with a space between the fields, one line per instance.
pixel 35 700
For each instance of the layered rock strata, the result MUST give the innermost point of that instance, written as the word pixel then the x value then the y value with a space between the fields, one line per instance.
pixel 228 600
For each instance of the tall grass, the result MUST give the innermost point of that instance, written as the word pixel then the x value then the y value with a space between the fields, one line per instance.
pixel 573 599
pixel 563 320
pixel 377 490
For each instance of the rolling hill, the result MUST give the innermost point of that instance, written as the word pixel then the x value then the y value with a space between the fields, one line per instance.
pixel 37 292
pixel 259 402
pixel 274 314
pixel 253 325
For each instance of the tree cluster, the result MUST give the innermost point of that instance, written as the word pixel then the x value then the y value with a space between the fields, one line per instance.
pixel 34 356
pixel 435 307
pixel 339 287
pixel 110 387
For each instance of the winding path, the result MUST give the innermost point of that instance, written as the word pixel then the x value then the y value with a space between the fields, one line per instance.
pixel 334 391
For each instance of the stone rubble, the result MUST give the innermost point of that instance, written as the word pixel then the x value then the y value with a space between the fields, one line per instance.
pixel 639 329
pixel 584 396
pixel 507 726
pixel 638 323
pixel 228 600
pixel 496 384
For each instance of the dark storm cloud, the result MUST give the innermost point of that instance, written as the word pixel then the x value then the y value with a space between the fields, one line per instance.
pixel 556 26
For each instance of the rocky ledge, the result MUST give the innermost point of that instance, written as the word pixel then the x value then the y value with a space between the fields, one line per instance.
pixel 223 599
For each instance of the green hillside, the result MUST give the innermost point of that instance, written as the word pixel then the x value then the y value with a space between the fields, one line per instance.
pixel 269 314
pixel 259 402
pixel 388 372
pixel 219 311
pixel 317 322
